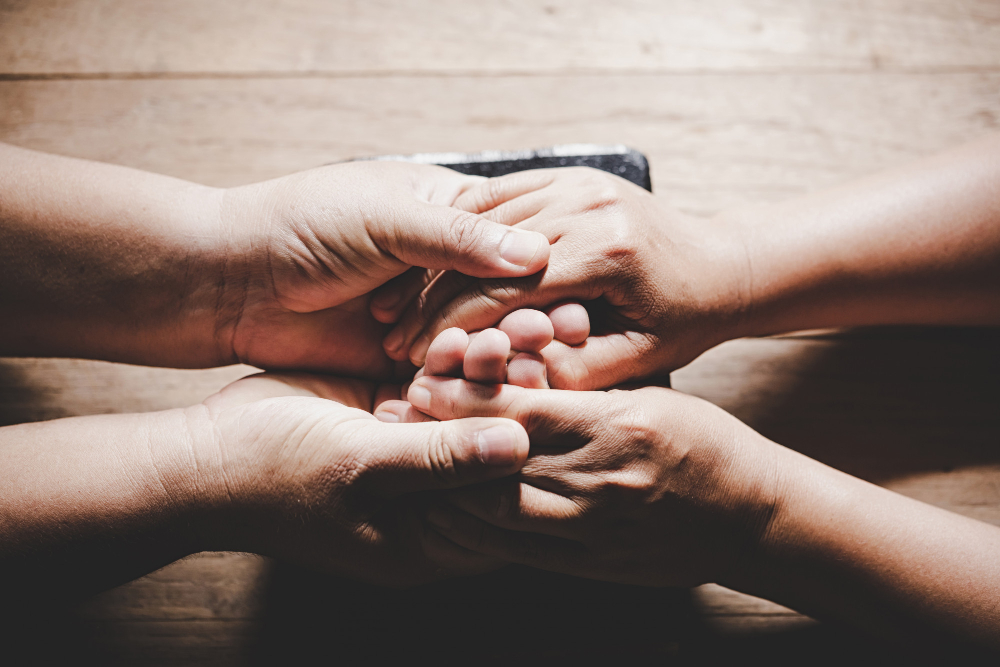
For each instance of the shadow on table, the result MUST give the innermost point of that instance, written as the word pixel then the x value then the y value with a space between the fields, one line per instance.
pixel 886 403
pixel 877 404
pixel 519 616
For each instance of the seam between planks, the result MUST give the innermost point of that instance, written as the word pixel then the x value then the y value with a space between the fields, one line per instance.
pixel 358 74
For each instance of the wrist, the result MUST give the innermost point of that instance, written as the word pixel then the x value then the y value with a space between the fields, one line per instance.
pixel 203 480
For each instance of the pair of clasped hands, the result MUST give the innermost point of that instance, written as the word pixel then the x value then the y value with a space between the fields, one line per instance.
pixel 388 272
pixel 481 285
pixel 446 359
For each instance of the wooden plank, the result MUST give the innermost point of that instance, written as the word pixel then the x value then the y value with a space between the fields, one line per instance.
pixel 347 37
pixel 916 415
pixel 714 141
pixel 38 389
pixel 207 586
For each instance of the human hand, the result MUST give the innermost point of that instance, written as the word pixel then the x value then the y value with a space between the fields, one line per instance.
pixel 648 487
pixel 311 477
pixel 306 251
pixel 514 352
pixel 661 287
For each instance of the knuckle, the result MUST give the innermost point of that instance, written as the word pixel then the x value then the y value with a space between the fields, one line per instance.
pixel 569 374
pixel 441 460
pixel 494 192
pixel 485 297
pixel 463 234
pixel 621 245
pixel 506 294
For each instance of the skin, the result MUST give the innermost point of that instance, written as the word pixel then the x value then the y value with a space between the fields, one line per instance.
pixel 286 465
pixel 916 245
pixel 653 487
pixel 112 263
pixel 106 262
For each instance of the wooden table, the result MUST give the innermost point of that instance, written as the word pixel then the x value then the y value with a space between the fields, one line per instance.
pixel 733 101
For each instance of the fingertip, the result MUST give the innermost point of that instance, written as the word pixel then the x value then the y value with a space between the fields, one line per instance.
pixel 400 412
pixel 383 316
pixel 570 323
pixel 393 345
pixel 418 351
pixel 523 252
pixel 486 357
pixel 384 304
pixel 503 444
pixel 529 330
pixel 527 369
pixel 446 353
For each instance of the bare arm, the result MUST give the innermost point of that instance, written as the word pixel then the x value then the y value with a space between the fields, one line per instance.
pixel 290 466
pixel 657 488
pixel 89 502
pixel 106 262
pixel 918 245
pixel 843 549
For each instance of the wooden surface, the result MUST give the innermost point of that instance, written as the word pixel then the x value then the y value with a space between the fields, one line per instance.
pixel 733 102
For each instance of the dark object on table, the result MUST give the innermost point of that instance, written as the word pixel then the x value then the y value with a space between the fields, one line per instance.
pixel 618 160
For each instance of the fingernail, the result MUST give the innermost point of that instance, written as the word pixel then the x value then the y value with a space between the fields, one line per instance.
pixel 387 300
pixel 394 340
pixel 419 350
pixel 438 517
pixel 419 397
pixel 498 446
pixel 520 247
pixel 387 416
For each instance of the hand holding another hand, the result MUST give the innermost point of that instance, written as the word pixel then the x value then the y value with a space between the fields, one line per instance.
pixel 661 287
pixel 297 468
pixel 304 254
pixel 648 486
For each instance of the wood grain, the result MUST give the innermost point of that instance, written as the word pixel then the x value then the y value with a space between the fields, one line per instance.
pixel 714 141
pixel 129 37
pixel 734 102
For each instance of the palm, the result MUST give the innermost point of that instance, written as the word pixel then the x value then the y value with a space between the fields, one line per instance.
pixel 345 339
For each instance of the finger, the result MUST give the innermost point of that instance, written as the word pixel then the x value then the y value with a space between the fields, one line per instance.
pixel 523 208
pixel 485 302
pixel 486 358
pixel 514 505
pixel 552 418
pixel 394 459
pixel 442 237
pixel 527 369
pixel 600 362
pixel 570 322
pixel 400 412
pixel 445 286
pixel 493 192
pixel 390 300
pixel 529 330
pixel 544 552
pixel 447 353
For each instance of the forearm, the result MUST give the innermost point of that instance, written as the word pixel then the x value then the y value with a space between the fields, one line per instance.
pixel 90 502
pixel 918 245
pixel 843 549
pixel 106 262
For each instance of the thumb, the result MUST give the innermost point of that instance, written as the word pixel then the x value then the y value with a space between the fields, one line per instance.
pixel 443 455
pixel 601 361
pixel 442 237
